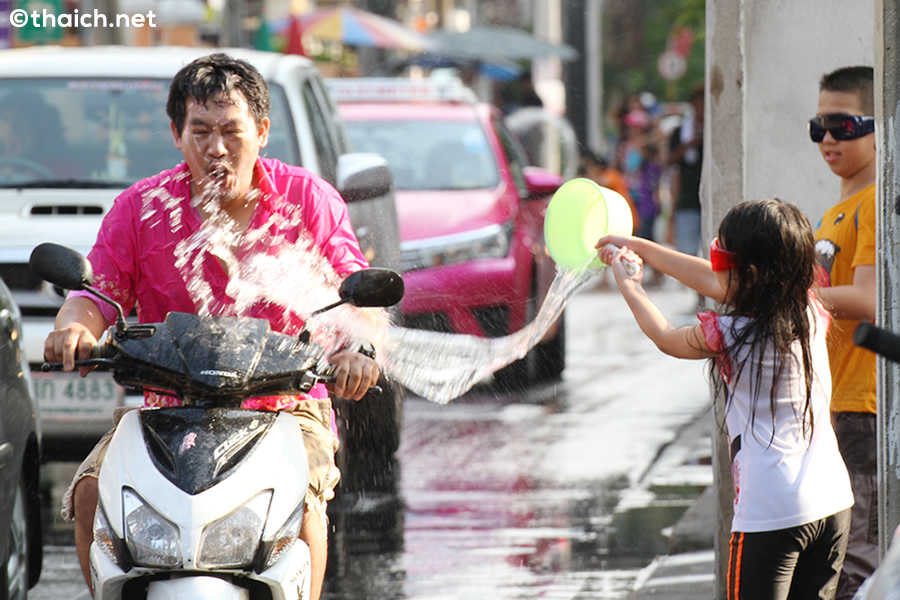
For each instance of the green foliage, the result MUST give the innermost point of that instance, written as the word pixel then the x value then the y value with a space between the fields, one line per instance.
pixel 630 56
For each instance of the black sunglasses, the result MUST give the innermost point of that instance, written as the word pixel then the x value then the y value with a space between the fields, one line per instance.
pixel 842 127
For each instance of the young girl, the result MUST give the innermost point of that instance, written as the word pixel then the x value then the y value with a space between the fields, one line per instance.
pixel 792 492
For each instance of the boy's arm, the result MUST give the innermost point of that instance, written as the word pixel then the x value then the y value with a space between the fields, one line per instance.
pixel 692 271
pixel 854 301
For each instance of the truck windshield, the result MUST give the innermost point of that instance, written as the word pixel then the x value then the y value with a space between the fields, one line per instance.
pixel 80 132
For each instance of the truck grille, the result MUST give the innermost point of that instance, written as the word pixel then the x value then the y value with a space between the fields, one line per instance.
pixel 66 209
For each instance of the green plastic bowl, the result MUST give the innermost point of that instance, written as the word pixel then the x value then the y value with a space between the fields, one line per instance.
pixel 579 214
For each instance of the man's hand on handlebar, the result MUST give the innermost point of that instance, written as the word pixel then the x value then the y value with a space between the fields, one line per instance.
pixel 354 373
pixel 65 345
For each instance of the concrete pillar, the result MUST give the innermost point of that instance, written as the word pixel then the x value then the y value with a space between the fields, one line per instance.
pixel 887 111
pixel 763 64
pixel 722 186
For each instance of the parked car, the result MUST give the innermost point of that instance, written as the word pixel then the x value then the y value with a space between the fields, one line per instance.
pixel 93 121
pixel 21 545
pixel 471 211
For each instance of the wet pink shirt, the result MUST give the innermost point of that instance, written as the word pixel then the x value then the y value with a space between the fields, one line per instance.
pixel 135 254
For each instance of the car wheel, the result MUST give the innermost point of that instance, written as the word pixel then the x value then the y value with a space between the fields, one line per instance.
pixel 545 362
pixel 520 374
pixel 14 584
pixel 550 356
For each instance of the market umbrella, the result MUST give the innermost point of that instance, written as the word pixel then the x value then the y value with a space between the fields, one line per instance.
pixel 498 70
pixel 497 43
pixel 263 38
pixel 355 27
pixel 295 37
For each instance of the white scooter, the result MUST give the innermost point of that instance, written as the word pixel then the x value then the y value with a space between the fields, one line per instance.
pixel 204 500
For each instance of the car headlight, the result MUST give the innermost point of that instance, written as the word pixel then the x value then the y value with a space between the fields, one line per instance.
pixel 233 540
pixel 285 538
pixel 152 539
pixel 487 242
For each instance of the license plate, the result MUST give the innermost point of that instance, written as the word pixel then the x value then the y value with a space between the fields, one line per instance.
pixel 70 396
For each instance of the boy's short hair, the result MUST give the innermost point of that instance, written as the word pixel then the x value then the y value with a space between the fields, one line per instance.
pixel 855 80
pixel 207 77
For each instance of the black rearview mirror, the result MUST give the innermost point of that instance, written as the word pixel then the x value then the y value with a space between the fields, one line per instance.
pixel 369 287
pixel 61 266
pixel 372 287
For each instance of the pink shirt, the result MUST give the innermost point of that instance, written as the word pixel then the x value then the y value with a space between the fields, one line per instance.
pixel 134 257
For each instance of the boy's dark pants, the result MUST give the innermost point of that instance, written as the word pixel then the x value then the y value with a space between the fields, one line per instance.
pixel 856 435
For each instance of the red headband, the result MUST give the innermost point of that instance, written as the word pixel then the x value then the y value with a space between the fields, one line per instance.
pixel 722 260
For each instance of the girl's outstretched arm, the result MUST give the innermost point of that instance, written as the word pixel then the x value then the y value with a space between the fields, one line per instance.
pixel 681 342
pixel 692 271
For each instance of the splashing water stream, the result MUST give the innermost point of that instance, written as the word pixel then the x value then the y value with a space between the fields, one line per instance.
pixel 443 366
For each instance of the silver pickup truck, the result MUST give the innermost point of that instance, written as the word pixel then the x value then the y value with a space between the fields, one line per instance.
pixel 79 125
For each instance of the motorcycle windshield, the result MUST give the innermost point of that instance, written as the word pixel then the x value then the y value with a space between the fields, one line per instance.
pixel 214 361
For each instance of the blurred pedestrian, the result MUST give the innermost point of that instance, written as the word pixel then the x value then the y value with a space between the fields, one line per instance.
pixel 686 156
pixel 770 364
pixel 643 173
pixel 844 130
pixel 597 168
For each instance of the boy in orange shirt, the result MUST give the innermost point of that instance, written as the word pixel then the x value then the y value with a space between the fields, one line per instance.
pixel 844 130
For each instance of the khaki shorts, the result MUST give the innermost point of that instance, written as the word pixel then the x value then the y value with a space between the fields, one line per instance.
pixel 313 416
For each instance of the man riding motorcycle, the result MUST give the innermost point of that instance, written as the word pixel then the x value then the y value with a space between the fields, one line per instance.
pixel 174 242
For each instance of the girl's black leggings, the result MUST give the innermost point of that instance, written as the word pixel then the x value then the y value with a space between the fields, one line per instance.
pixel 797 563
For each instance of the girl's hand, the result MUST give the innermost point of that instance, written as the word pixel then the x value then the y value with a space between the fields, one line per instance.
pixel 626 265
pixel 615 240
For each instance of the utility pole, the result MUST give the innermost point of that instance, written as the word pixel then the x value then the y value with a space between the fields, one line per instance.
pixel 583 27
pixel 887 109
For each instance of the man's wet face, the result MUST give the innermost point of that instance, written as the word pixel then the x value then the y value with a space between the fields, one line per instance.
pixel 220 142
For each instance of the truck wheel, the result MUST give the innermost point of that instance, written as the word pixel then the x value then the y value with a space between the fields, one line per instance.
pixel 372 426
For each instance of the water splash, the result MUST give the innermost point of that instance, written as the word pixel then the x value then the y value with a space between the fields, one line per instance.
pixel 280 266
pixel 443 366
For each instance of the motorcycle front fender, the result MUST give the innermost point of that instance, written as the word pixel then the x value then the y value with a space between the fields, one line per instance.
pixel 195 587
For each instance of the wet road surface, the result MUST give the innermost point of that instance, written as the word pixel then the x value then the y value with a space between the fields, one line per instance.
pixel 558 491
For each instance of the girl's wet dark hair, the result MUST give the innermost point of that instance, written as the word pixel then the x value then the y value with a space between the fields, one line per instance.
pixel 211 76
pixel 775 261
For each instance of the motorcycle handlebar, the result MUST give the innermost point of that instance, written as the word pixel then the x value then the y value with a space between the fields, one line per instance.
pixel 98 359
pixel 375 389
pixel 878 340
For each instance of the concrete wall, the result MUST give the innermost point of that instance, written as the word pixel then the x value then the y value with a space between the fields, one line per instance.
pixel 786 46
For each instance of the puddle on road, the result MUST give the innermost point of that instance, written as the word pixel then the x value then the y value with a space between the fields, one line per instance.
pixel 508 539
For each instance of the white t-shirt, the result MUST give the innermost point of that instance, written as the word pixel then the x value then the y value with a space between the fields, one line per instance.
pixel 786 479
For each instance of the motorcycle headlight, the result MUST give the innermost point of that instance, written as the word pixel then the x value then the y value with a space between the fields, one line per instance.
pixel 152 539
pixel 487 242
pixel 233 540
pixel 105 537
pixel 285 538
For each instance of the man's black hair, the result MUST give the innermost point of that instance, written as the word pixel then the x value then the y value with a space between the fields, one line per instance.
pixel 211 76
pixel 853 80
